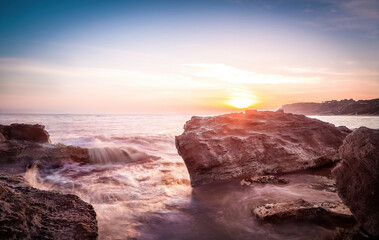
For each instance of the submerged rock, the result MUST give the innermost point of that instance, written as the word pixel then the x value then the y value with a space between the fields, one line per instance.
pixel 30 213
pixel 357 178
pixel 27 132
pixel 336 212
pixel 263 180
pixel 255 143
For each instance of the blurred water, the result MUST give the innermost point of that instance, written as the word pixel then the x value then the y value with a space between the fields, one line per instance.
pixel 153 199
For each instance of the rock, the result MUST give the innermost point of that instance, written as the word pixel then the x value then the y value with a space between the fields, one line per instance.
pixel 324 183
pixel 172 180
pixel 350 234
pixel 300 209
pixel 2 138
pixel 30 213
pixel 255 143
pixel 334 107
pixel 28 132
pixel 263 180
pixel 357 177
pixel 16 156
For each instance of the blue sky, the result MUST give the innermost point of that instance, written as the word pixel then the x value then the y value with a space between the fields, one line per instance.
pixel 184 56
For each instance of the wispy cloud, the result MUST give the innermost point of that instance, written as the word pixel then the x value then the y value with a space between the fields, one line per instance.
pixel 32 84
pixel 360 15
pixel 225 73
pixel 72 74
pixel 363 9
pixel 326 72
pixel 328 15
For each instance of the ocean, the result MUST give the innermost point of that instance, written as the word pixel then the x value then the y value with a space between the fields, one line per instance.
pixel 139 185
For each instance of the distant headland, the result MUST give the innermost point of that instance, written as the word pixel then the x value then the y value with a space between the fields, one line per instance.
pixel 334 107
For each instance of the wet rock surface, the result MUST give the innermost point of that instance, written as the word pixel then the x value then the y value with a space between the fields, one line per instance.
pixel 255 143
pixel 16 156
pixel 263 180
pixel 335 212
pixel 27 132
pixel 30 213
pixel 22 145
pixel 2 138
pixel 357 178
pixel 22 207
pixel 324 183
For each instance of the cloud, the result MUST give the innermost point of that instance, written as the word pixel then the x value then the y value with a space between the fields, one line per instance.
pixel 101 76
pixel 336 15
pixel 326 72
pixel 362 9
pixel 328 15
pixel 228 74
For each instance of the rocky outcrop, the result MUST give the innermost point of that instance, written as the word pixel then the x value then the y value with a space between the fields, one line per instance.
pixel 357 177
pixel 335 212
pixel 255 143
pixel 27 132
pixel 29 213
pixel 343 107
pixel 16 156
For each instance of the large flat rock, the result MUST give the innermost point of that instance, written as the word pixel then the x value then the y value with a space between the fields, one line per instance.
pixel 357 178
pixel 256 143
pixel 335 212
pixel 30 213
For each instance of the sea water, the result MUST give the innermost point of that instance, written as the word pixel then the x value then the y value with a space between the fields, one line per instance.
pixel 140 189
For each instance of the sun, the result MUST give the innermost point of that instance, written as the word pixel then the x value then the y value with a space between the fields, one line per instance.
pixel 241 102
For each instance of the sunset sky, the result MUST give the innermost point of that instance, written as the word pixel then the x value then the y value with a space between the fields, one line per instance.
pixel 184 56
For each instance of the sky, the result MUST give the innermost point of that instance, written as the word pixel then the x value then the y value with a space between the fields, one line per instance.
pixel 192 57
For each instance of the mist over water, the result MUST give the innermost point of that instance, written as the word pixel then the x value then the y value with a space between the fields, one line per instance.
pixel 140 189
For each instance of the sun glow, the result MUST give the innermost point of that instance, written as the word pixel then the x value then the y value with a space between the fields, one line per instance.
pixel 241 98
pixel 241 103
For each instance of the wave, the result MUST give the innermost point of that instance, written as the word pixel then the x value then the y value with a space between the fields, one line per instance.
pixel 108 155
pixel 101 140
